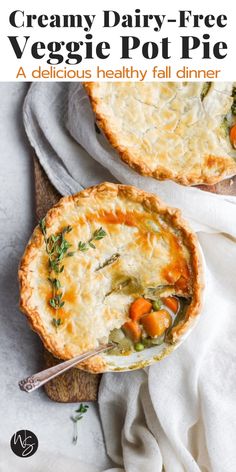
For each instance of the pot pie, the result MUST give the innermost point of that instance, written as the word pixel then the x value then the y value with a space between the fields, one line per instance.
pixel 111 263
pixel 185 131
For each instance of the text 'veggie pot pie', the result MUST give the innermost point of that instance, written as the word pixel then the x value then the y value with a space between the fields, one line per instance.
pixel 183 131
pixel 112 262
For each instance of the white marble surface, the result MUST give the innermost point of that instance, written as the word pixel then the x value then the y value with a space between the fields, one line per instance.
pixel 20 348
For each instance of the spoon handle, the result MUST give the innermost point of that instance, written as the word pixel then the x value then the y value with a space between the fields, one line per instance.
pixel 29 384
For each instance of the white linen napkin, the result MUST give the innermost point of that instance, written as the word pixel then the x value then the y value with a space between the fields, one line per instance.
pixel 181 412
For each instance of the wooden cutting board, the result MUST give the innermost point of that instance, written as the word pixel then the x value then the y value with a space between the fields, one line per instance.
pixel 76 385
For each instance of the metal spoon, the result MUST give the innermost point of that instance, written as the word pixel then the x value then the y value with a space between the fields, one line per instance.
pixel 29 384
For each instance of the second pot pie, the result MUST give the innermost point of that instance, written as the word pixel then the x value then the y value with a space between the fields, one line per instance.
pixel 111 262
pixel 170 130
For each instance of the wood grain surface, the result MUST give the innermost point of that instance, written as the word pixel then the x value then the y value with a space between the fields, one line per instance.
pixel 75 385
pixel 226 187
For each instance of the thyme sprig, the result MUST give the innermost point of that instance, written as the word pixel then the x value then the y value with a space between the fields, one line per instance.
pixel 97 235
pixel 81 410
pixel 205 89
pixel 233 108
pixel 57 248
pixel 109 261
pixel 56 322
pixel 56 301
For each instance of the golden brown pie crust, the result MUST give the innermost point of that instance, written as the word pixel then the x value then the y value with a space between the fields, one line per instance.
pixel 105 192
pixel 213 168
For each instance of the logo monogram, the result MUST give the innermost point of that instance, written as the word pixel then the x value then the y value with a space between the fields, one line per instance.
pixel 24 443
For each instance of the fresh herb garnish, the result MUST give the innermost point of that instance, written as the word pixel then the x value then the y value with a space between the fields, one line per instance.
pixel 233 108
pixel 82 246
pixel 57 248
pixel 42 226
pixel 80 412
pixel 109 261
pixel 56 302
pixel 225 126
pixel 205 89
pixel 55 283
pixel 56 322
pixel 121 285
pixel 97 235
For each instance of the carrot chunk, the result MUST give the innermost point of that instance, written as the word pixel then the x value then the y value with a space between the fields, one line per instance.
pixel 132 330
pixel 232 135
pixel 172 303
pixel 138 308
pixel 156 322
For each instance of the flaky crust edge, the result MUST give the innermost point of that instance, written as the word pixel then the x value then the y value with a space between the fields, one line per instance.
pixel 162 173
pixel 152 203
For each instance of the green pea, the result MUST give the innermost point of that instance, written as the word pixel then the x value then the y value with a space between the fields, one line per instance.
pixel 156 305
pixel 139 347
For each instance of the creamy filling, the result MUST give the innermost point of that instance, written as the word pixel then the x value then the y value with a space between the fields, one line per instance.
pixel 151 320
